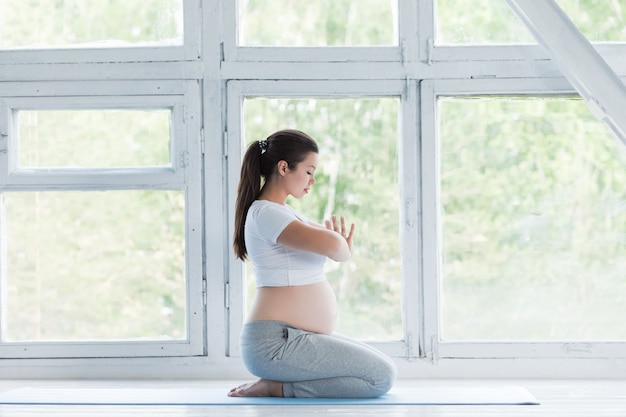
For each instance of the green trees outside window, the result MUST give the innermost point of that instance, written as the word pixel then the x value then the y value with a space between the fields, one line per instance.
pixel 94 265
pixel 318 23
pixel 534 221
pixel 50 23
pixel 476 22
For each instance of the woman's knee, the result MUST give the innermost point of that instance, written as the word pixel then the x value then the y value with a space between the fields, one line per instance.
pixel 386 378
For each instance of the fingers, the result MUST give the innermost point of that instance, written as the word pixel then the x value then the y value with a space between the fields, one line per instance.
pixel 335 226
pixel 351 231
pixel 340 227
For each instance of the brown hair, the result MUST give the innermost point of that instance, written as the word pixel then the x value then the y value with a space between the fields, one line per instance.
pixel 260 161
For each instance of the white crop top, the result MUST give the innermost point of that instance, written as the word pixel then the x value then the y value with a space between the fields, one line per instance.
pixel 276 265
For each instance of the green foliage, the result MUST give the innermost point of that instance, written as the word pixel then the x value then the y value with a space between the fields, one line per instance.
pixel 100 265
pixel 48 23
pixel 534 220
pixel 598 20
pixel 318 23
pixel 94 265
pixel 98 139
pixel 493 22
pixel 478 22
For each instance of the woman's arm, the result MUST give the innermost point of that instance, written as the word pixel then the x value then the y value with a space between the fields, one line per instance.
pixel 333 241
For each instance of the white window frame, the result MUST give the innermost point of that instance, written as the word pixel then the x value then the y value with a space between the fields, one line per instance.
pixel 393 53
pixel 436 348
pixel 220 73
pixel 584 67
pixel 183 101
pixel 237 92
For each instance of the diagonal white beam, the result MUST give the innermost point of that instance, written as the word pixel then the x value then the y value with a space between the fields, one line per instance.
pixel 586 70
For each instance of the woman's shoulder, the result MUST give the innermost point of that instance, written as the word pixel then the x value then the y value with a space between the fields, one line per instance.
pixel 267 205
pixel 261 207
pixel 270 205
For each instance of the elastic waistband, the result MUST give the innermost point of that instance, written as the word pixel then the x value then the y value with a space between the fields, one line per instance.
pixel 266 329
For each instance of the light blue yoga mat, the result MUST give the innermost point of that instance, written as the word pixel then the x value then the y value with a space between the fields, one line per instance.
pixel 507 395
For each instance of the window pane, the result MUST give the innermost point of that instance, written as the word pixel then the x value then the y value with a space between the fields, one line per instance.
pixel 534 221
pixel 94 266
pixel 94 138
pixel 598 20
pixel 479 22
pixel 49 23
pixel 358 178
pixel 318 22
pixel 493 22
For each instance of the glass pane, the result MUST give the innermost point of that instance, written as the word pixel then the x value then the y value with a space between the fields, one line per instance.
pixel 318 22
pixel 493 22
pixel 598 20
pixel 534 221
pixel 478 22
pixel 357 177
pixel 50 23
pixel 93 138
pixel 92 265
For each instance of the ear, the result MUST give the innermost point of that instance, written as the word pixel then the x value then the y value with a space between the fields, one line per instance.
pixel 282 166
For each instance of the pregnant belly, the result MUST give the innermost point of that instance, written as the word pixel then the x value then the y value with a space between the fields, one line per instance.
pixel 310 307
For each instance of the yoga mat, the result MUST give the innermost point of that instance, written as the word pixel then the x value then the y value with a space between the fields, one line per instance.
pixel 507 395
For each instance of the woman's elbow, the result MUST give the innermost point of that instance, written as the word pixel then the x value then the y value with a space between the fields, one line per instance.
pixel 339 250
pixel 341 257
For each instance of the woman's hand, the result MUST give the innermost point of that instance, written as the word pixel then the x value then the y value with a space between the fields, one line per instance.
pixel 341 229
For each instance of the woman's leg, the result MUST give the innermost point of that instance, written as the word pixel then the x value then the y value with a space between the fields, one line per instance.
pixel 314 365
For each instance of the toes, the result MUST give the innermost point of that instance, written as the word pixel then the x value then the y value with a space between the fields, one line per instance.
pixel 237 391
pixel 240 391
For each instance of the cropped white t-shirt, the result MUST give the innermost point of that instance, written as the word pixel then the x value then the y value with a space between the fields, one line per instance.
pixel 276 265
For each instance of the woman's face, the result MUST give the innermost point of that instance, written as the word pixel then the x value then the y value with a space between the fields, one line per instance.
pixel 299 180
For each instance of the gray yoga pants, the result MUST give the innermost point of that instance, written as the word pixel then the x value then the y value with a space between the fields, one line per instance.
pixel 315 365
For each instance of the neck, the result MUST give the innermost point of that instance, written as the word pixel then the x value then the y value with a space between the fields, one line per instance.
pixel 273 194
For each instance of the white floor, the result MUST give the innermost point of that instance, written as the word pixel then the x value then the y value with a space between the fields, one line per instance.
pixel 589 398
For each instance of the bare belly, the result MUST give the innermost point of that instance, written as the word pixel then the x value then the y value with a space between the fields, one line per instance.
pixel 309 307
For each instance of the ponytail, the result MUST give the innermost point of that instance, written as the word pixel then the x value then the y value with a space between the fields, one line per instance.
pixel 248 191
pixel 260 160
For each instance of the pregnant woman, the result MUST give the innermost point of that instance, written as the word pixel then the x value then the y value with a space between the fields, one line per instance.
pixel 288 340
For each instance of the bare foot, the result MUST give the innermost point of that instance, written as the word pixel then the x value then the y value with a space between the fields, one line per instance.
pixel 260 388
